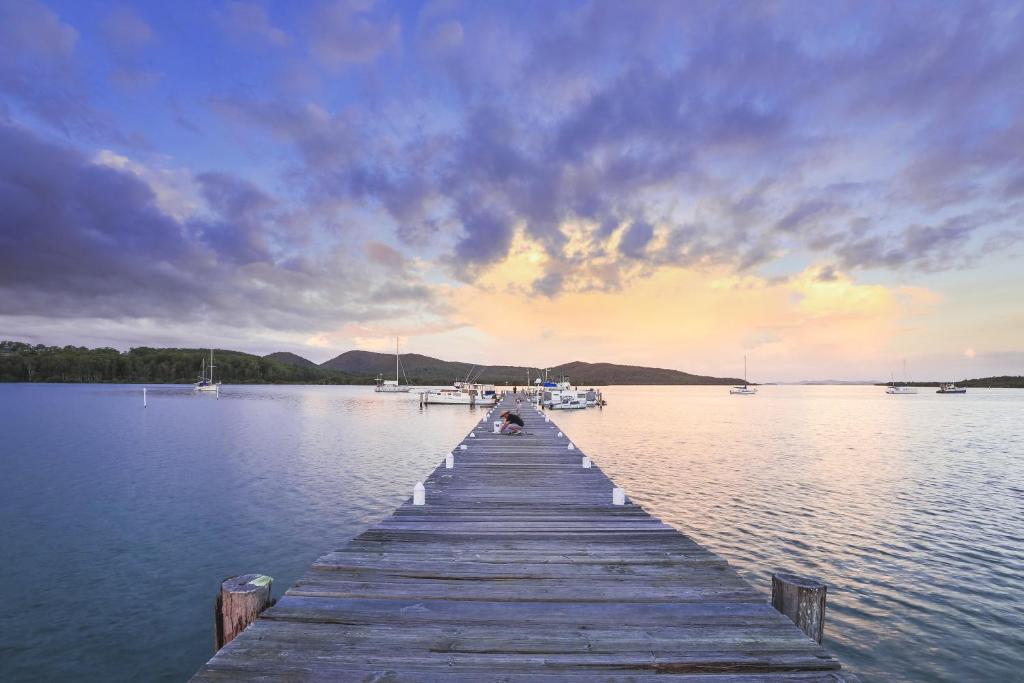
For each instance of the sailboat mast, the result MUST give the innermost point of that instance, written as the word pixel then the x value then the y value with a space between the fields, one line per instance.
pixel 396 360
pixel 744 369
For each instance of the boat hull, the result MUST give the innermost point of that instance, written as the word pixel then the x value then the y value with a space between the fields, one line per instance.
pixel 391 389
pixel 456 400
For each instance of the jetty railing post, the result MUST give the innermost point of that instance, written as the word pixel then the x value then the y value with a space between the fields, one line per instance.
pixel 802 600
pixel 240 601
pixel 618 496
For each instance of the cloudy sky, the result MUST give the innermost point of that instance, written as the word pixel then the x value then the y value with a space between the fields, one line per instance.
pixel 828 188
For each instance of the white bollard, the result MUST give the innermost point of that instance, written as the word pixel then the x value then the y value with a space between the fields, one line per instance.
pixel 419 494
pixel 586 463
pixel 618 496
pixel 559 435
pixel 547 419
pixel 449 461
pixel 463 446
pixel 143 397
pixel 571 446
pixel 472 435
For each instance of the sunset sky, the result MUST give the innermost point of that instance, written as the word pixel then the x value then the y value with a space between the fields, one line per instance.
pixel 828 188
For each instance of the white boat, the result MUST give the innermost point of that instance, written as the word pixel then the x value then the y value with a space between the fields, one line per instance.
pixel 561 396
pixel 950 388
pixel 898 390
pixel 387 386
pixel 206 382
pixel 461 393
pixel 467 392
pixel 746 389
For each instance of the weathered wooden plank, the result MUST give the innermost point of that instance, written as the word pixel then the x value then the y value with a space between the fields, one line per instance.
pixel 518 567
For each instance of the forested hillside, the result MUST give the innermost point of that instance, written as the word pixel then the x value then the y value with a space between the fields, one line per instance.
pixel 26 363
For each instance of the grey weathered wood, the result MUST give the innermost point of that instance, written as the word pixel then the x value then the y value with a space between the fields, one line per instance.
pixel 519 567
pixel 802 600
pixel 240 601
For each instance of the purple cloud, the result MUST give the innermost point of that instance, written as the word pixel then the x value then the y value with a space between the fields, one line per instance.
pixel 250 18
pixel 351 32
pixel 635 239
pixel 83 240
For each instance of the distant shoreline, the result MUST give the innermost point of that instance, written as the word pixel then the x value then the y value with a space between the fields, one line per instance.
pixel 918 385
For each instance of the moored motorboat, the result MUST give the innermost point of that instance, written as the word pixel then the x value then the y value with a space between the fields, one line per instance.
pixel 562 396
pixel 951 388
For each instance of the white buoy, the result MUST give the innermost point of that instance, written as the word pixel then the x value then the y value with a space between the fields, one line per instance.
pixel 586 463
pixel 560 435
pixel 449 461
pixel 618 496
pixel 463 446
pixel 143 397
pixel 571 446
pixel 419 494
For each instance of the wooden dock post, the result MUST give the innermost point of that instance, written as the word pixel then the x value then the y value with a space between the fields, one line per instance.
pixel 240 601
pixel 802 600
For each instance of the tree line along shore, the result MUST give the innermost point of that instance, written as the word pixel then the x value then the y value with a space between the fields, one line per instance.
pixel 21 362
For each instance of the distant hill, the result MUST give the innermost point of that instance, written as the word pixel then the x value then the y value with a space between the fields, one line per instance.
pixel 288 358
pixel 1001 382
pixel 425 370
pixel 20 362
pixel 610 373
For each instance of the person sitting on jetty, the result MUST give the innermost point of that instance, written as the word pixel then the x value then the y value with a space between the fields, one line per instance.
pixel 513 423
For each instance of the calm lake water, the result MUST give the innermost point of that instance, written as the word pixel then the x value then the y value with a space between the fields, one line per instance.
pixel 117 522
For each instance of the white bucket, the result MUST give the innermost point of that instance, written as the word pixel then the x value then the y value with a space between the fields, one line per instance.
pixel 497 426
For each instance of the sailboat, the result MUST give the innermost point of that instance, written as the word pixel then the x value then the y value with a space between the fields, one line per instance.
pixel 206 382
pixel 898 390
pixel 746 389
pixel 387 386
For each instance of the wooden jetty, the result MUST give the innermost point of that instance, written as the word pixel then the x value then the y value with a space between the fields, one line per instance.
pixel 519 567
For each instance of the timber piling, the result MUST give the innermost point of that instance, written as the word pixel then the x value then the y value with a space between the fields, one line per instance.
pixel 522 564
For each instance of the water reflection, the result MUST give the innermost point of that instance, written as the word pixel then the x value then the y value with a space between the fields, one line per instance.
pixel 908 506
pixel 911 507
